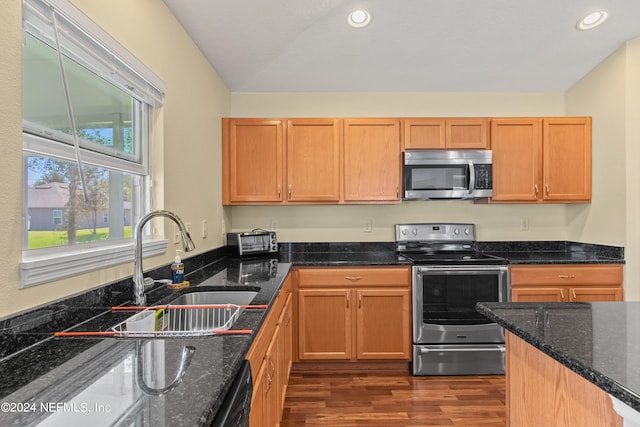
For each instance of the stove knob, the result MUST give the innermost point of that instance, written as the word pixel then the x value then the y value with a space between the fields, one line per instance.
pixel 467 231
pixel 456 231
pixel 414 231
pixel 404 231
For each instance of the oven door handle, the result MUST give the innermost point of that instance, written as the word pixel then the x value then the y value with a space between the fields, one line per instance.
pixel 425 350
pixel 460 268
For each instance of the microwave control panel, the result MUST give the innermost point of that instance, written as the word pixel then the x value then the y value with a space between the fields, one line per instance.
pixel 484 178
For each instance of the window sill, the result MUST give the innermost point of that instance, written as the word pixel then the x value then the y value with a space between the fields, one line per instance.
pixel 35 270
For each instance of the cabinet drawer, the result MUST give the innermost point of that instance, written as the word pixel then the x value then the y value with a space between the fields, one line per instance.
pixel 349 277
pixel 566 274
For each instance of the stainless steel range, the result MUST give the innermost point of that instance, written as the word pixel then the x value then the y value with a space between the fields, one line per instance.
pixel 449 277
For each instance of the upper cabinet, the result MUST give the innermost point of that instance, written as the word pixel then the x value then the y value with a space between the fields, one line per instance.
pixel 541 160
pixel 450 134
pixel 323 160
pixel 372 160
pixel 359 160
pixel 252 161
pixel 314 149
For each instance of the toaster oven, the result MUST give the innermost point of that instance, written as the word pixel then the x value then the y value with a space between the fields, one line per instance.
pixel 254 242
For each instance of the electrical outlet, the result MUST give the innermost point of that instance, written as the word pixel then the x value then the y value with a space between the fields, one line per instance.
pixel 524 224
pixel 274 225
pixel 204 229
pixel 368 225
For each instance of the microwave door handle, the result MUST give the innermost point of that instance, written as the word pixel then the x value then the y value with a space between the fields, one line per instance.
pixel 472 177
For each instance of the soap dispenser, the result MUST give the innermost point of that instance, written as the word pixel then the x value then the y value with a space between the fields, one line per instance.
pixel 177 269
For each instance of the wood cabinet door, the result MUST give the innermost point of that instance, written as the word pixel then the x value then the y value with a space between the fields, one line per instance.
pixel 314 149
pixel 383 324
pixel 371 160
pixel 424 133
pixel 257 412
pixel 567 159
pixel 592 294
pixel 517 153
pixel 324 324
pixel 538 294
pixel 284 353
pixel 467 133
pixel 271 409
pixel 253 160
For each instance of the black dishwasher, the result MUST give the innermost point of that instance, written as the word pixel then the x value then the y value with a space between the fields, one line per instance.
pixel 235 408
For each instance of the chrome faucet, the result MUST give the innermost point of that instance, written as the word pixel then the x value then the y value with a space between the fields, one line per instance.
pixel 139 281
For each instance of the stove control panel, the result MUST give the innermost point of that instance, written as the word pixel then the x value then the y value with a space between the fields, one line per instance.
pixel 432 232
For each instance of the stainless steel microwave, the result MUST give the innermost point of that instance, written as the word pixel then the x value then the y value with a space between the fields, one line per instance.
pixel 447 174
pixel 255 242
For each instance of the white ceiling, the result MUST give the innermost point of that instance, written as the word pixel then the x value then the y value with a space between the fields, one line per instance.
pixel 410 45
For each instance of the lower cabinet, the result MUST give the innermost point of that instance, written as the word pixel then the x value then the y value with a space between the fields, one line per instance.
pixel 270 356
pixel 566 283
pixel 354 313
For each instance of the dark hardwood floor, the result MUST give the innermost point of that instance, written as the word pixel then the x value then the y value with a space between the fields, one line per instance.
pixel 393 399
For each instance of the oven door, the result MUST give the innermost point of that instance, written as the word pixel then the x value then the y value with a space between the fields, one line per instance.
pixel 444 303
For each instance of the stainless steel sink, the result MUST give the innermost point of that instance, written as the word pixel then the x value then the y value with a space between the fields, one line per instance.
pixel 215 297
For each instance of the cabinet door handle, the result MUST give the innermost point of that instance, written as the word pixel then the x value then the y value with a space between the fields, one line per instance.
pixel 353 278
pixel 279 191
pixel 573 291
pixel 289 192
pixel 562 294
pixel 397 192
pixel 348 300
pixel 546 187
pixel 535 187
pixel 359 299
pixel 566 276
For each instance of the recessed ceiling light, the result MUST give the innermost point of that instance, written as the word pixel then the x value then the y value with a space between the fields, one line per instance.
pixel 359 18
pixel 592 20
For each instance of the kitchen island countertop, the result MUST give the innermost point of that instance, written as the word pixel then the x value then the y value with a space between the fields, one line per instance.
pixel 599 341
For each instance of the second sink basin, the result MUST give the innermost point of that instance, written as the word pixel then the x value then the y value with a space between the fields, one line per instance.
pixel 215 297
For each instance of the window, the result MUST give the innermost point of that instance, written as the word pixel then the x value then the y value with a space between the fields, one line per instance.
pixel 57 217
pixel 87 108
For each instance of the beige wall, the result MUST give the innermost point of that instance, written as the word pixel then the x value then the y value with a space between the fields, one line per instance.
pixel 611 94
pixel 186 145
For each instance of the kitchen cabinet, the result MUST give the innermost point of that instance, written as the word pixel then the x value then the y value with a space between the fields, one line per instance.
pixel 270 356
pixel 566 283
pixel 372 160
pixel 541 160
pixel 314 150
pixel 316 161
pixel 441 133
pixel 253 161
pixel 353 313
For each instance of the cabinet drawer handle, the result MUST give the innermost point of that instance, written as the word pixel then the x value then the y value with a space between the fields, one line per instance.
pixel 567 276
pixel 353 278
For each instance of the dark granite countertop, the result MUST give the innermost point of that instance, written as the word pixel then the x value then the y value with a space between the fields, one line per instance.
pixel 105 381
pixel 599 341
pixel 553 252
